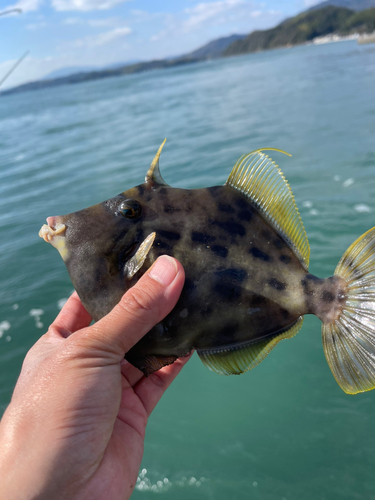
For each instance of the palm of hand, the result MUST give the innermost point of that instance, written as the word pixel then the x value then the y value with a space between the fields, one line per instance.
pixel 78 408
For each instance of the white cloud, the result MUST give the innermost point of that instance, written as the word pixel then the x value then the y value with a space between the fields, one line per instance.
pixel 94 23
pixel 25 5
pixel 85 5
pixel 159 36
pixel 213 12
pixel 100 39
pixel 310 3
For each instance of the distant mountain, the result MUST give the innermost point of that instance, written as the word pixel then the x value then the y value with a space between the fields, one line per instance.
pixel 215 48
pixel 97 75
pixel 73 70
pixel 69 71
pixel 209 51
pixel 78 74
pixel 293 31
pixel 349 4
pixel 304 28
pixel 119 64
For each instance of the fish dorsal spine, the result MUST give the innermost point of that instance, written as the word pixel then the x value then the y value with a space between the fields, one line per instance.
pixel 258 177
pixel 153 173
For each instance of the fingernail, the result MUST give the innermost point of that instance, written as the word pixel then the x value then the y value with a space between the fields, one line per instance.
pixel 164 270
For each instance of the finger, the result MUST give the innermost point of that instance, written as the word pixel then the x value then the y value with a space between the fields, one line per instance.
pixel 130 373
pixel 150 389
pixel 144 305
pixel 72 317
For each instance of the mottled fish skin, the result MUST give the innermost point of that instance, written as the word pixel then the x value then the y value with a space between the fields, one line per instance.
pixel 244 282
pixel 245 254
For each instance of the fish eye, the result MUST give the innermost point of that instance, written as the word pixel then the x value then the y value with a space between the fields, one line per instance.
pixel 131 209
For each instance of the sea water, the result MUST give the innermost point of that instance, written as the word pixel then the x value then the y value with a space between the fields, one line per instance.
pixel 285 430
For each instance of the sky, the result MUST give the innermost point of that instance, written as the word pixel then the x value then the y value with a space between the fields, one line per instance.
pixel 70 33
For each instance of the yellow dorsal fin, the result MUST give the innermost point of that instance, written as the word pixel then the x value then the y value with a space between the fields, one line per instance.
pixel 153 173
pixel 256 176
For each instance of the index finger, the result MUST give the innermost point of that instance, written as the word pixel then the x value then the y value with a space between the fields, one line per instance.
pixel 72 317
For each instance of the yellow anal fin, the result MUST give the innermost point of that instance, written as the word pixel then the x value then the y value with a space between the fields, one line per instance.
pixel 256 176
pixel 349 341
pixel 239 359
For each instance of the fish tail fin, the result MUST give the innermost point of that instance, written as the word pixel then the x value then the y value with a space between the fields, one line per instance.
pixel 349 340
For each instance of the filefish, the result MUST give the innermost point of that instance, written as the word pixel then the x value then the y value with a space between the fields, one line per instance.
pixel 246 255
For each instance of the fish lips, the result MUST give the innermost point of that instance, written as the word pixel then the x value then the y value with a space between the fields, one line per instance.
pixel 54 233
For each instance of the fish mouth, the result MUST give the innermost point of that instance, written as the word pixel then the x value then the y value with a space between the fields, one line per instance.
pixel 54 232
pixel 48 232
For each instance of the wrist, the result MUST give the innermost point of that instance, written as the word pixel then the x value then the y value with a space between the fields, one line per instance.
pixel 25 461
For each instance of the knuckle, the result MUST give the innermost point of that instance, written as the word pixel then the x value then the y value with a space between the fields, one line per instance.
pixel 158 380
pixel 140 303
pixel 53 331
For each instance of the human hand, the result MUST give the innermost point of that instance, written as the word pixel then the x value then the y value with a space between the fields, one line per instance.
pixel 76 423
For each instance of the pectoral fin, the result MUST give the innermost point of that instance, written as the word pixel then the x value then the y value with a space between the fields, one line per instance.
pixel 136 262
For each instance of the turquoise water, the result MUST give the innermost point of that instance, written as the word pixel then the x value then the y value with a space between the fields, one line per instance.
pixel 284 431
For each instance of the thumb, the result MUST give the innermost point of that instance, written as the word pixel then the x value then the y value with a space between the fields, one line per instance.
pixel 144 305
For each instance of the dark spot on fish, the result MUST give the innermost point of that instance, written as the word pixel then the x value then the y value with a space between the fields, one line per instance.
pixel 170 235
pixel 226 334
pixel 311 284
pixel 305 284
pixel 164 245
pixel 163 191
pixel 312 277
pixel 267 234
pixel 234 273
pixel 203 238
pixel 284 313
pixel 98 275
pixel 169 209
pixel 219 250
pixel 278 243
pixel 225 207
pixel 141 190
pixel 189 285
pixel 241 203
pixel 207 310
pixel 258 254
pixel 245 215
pixel 231 227
pixel 328 296
pixel 215 191
pixel 227 291
pixel 285 258
pixel 278 285
pixel 257 300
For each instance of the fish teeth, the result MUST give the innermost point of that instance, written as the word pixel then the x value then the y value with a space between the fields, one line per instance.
pixel 47 232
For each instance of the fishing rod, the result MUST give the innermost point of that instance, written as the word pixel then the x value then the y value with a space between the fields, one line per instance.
pixel 18 62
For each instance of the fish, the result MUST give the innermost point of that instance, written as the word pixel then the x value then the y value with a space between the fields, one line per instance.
pixel 246 255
